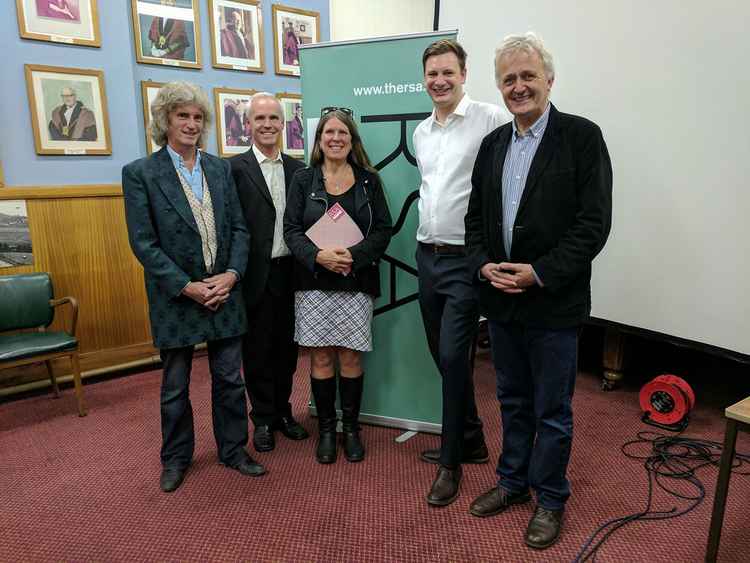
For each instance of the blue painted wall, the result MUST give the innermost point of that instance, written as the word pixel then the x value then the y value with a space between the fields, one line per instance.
pixel 122 77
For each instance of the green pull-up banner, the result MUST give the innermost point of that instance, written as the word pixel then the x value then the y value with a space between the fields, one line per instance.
pixel 381 81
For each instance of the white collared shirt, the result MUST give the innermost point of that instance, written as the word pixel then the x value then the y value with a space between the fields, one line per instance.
pixel 273 174
pixel 445 155
pixel 69 113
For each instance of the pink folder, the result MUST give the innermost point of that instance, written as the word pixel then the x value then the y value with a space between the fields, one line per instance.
pixel 335 229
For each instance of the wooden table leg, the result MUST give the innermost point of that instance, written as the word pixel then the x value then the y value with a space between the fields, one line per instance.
pixel 722 486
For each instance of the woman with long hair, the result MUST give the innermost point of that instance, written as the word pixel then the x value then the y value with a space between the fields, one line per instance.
pixel 336 287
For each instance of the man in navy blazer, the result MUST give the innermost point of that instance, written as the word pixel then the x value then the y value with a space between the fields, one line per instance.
pixel 186 228
pixel 262 176
pixel 539 212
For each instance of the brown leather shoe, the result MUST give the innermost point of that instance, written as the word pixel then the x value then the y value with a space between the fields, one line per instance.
pixel 495 501
pixel 544 528
pixel 477 455
pixel 445 487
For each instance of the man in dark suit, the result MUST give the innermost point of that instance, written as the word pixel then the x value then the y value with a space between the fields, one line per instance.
pixel 186 229
pixel 262 175
pixel 540 211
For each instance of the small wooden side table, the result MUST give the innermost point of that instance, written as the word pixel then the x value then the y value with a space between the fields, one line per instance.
pixel 738 418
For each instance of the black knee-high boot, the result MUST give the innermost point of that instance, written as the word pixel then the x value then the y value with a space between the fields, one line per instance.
pixel 351 400
pixel 324 393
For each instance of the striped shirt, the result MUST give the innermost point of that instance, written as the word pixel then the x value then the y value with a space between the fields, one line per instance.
pixel 518 158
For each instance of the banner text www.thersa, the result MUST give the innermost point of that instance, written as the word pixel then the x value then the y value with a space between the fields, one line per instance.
pixel 388 88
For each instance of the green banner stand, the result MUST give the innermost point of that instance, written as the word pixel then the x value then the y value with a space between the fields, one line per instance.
pixel 380 79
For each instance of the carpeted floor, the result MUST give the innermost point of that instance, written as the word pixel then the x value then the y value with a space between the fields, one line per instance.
pixel 86 489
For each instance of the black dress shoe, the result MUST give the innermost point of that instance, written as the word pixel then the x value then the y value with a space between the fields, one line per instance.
pixel 495 501
pixel 250 467
pixel 263 440
pixel 544 528
pixel 171 479
pixel 291 428
pixel 477 455
pixel 445 487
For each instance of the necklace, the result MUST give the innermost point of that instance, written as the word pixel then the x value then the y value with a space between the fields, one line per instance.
pixel 334 181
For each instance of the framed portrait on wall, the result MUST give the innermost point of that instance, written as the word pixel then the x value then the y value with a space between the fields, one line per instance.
pixel 75 22
pixel 237 35
pixel 292 27
pixel 149 90
pixel 68 110
pixel 167 32
pixel 293 134
pixel 233 134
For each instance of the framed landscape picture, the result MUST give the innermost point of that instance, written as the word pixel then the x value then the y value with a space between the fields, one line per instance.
pixel 292 27
pixel 149 90
pixel 75 22
pixel 68 110
pixel 233 134
pixel 15 237
pixel 237 35
pixel 167 32
pixel 293 135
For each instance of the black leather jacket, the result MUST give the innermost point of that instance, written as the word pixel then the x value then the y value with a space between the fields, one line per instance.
pixel 306 203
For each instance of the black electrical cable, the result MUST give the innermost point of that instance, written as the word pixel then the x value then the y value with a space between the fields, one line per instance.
pixel 671 462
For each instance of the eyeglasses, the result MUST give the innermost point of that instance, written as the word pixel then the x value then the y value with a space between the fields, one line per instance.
pixel 329 109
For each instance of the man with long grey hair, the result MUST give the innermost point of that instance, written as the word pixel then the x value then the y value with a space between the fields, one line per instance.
pixel 186 228
pixel 540 211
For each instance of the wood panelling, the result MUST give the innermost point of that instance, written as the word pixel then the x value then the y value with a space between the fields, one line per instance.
pixel 82 242
pixel 60 192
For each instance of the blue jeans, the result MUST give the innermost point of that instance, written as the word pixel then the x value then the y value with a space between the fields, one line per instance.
pixel 228 406
pixel 536 371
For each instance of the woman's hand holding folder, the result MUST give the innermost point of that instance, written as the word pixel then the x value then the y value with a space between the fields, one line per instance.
pixel 338 260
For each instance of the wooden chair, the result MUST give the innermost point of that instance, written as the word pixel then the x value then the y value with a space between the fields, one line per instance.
pixel 738 418
pixel 27 302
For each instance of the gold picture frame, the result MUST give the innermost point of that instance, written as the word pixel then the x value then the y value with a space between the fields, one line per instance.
pixel 149 89
pixel 232 49
pixel 176 44
pixel 232 134
pixel 72 22
pixel 292 27
pixel 68 109
pixel 293 134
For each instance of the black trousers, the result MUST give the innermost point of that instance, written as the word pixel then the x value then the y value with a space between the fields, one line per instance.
pixel 269 352
pixel 228 407
pixel 450 312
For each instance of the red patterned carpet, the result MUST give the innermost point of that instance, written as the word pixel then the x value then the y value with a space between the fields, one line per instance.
pixel 86 489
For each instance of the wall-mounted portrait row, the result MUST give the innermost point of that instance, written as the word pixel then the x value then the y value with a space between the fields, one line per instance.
pixel 68 109
pixel 167 32
pixel 233 135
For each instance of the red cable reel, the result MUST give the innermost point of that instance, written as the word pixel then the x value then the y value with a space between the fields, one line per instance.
pixel 666 402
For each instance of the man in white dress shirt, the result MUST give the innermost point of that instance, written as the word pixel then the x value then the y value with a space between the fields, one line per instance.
pixel 446 145
pixel 262 176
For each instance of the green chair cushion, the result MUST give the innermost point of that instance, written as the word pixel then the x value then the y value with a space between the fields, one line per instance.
pixel 27 344
pixel 24 301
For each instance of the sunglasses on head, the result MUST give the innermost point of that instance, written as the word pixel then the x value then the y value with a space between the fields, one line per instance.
pixel 329 109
